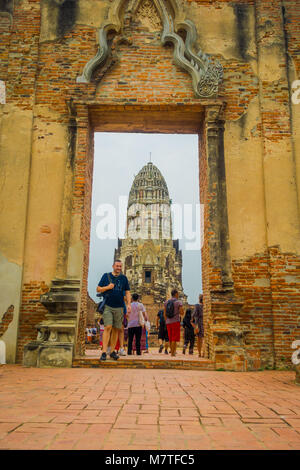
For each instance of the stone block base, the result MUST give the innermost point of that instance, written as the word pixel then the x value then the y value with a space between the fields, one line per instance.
pixel 30 353
pixel 47 354
pixel 253 359
pixel 231 361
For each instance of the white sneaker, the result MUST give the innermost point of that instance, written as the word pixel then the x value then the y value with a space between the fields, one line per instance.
pixel 122 352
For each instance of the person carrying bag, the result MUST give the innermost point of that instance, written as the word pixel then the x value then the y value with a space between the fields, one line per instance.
pixel 101 304
pixel 136 324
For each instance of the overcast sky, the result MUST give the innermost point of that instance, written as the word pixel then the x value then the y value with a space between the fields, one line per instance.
pixel 118 158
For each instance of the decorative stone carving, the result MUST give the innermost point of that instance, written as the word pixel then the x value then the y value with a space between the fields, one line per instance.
pixel 42 335
pixel 56 335
pixel 206 75
pixel 148 15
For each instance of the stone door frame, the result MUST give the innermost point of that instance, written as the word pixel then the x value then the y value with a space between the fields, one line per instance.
pixel 61 336
pixel 224 335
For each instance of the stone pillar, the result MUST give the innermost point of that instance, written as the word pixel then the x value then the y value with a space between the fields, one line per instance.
pixel 218 218
pixel 225 327
pixel 66 211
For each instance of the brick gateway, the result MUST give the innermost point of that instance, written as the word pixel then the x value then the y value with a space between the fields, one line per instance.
pixel 71 68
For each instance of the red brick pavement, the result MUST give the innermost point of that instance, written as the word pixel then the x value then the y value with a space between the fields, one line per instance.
pixel 147 409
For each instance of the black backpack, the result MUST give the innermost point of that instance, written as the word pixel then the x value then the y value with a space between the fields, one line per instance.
pixel 170 310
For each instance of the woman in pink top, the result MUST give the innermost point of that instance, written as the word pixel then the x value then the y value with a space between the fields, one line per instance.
pixel 134 326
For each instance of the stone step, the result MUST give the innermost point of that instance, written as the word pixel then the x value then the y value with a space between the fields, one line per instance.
pixel 66 282
pixel 184 364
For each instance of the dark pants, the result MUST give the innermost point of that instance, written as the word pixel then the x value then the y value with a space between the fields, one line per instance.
pixel 189 337
pixel 137 332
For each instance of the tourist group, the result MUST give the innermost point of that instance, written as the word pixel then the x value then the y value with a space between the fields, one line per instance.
pixel 124 320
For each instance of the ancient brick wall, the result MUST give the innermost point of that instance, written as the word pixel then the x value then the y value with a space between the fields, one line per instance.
pixel 32 312
pixel 44 47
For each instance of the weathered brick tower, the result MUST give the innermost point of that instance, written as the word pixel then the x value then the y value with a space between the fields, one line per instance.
pixel 223 69
pixel 151 258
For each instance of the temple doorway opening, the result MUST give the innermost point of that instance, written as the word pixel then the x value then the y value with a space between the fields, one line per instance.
pixel 146 212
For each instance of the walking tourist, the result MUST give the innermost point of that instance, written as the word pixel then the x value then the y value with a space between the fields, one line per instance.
pixel 113 285
pixel 88 332
pixel 189 334
pixel 173 311
pixel 197 322
pixel 136 321
pixel 163 338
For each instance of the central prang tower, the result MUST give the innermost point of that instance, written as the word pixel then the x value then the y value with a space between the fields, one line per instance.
pixel 151 258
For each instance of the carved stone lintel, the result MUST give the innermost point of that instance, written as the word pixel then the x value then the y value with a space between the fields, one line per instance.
pixel 206 75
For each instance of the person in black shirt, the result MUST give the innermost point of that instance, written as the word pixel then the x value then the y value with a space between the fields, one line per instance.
pixel 114 284
pixel 162 332
pixel 189 334
pixel 197 322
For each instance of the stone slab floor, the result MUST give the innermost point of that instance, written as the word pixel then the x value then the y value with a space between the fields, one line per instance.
pixel 64 409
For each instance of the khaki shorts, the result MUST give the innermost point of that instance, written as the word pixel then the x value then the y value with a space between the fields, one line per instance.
pixel 113 316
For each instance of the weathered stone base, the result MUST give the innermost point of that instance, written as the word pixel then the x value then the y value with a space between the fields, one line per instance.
pixel 47 354
pixel 228 334
pixel 54 346
pixel 30 353
pixel 233 360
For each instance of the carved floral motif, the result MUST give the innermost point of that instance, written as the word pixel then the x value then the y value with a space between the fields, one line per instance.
pixel 148 15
